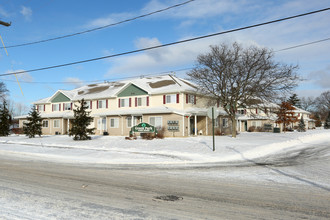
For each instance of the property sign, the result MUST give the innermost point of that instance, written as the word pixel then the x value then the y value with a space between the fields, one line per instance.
pixel 144 128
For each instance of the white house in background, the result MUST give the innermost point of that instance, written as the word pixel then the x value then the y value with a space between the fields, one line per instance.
pixel 300 113
pixel 166 102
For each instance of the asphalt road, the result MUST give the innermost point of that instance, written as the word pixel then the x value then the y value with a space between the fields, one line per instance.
pixel 41 190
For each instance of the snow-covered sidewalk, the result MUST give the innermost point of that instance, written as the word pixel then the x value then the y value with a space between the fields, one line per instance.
pixel 192 150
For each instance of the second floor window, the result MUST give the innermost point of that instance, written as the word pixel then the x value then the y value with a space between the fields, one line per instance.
pixel 141 101
pixel 102 104
pixel 67 106
pixel 56 107
pixel 171 98
pixel 41 108
pixel 124 102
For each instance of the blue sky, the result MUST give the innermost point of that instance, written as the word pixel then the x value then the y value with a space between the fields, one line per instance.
pixel 43 19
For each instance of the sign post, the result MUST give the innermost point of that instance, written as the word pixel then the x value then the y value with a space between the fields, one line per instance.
pixel 211 114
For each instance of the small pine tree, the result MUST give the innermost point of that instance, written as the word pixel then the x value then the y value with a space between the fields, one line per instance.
pixel 80 123
pixel 327 122
pixel 34 126
pixel 301 125
pixel 5 120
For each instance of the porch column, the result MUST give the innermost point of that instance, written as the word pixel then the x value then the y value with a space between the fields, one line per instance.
pixel 50 126
pixel 132 124
pixel 183 128
pixel 189 125
pixel 207 126
pixel 195 125
pixel 62 126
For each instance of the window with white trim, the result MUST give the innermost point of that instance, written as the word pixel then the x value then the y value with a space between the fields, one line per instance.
pixel 256 123
pixel 171 98
pixel 124 102
pixel 129 122
pixel 102 103
pixel 225 123
pixel 56 107
pixel 45 124
pixel 41 108
pixel 141 101
pixel 56 123
pixel 114 122
pixel 102 124
pixel 191 98
pixel 67 106
pixel 156 121
pixel 88 104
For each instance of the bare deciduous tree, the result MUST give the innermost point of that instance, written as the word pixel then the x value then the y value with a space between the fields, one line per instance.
pixel 307 104
pixel 323 104
pixel 234 75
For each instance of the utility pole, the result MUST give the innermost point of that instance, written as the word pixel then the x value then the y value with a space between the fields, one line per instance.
pixel 5 23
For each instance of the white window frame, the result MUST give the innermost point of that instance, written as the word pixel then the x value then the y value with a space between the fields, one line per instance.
pixel 67 107
pixel 102 103
pixel 170 98
pixel 115 123
pixel 41 108
pixel 154 124
pixel 58 121
pixel 87 104
pixel 256 123
pixel 225 123
pixel 191 98
pixel 124 102
pixel 129 122
pixel 45 122
pixel 102 124
pixel 56 107
pixel 141 101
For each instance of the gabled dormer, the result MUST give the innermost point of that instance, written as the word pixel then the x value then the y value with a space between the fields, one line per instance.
pixel 61 101
pixel 132 96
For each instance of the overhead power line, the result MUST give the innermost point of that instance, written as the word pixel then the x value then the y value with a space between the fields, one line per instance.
pixel 168 44
pixel 101 27
pixel 302 45
pixel 164 72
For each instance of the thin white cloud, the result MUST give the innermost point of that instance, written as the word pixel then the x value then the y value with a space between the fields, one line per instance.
pixel 321 78
pixel 26 77
pixel 26 12
pixel 3 12
pixel 76 82
pixel 109 19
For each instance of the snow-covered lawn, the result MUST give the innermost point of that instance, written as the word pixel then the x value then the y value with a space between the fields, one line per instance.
pixel 246 147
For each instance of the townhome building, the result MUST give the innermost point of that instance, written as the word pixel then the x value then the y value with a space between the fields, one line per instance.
pixel 166 102
pixel 300 113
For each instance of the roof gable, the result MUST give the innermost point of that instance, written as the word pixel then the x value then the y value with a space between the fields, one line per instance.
pixel 132 90
pixel 60 97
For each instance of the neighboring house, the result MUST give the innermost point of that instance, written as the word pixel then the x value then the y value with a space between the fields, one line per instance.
pixel 309 123
pixel 258 115
pixel 166 102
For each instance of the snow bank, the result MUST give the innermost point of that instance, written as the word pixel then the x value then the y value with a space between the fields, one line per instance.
pixel 192 150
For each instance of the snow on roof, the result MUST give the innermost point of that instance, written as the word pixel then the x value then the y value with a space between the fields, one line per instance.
pixel 142 111
pixel 152 85
pixel 299 110
pixel 66 115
